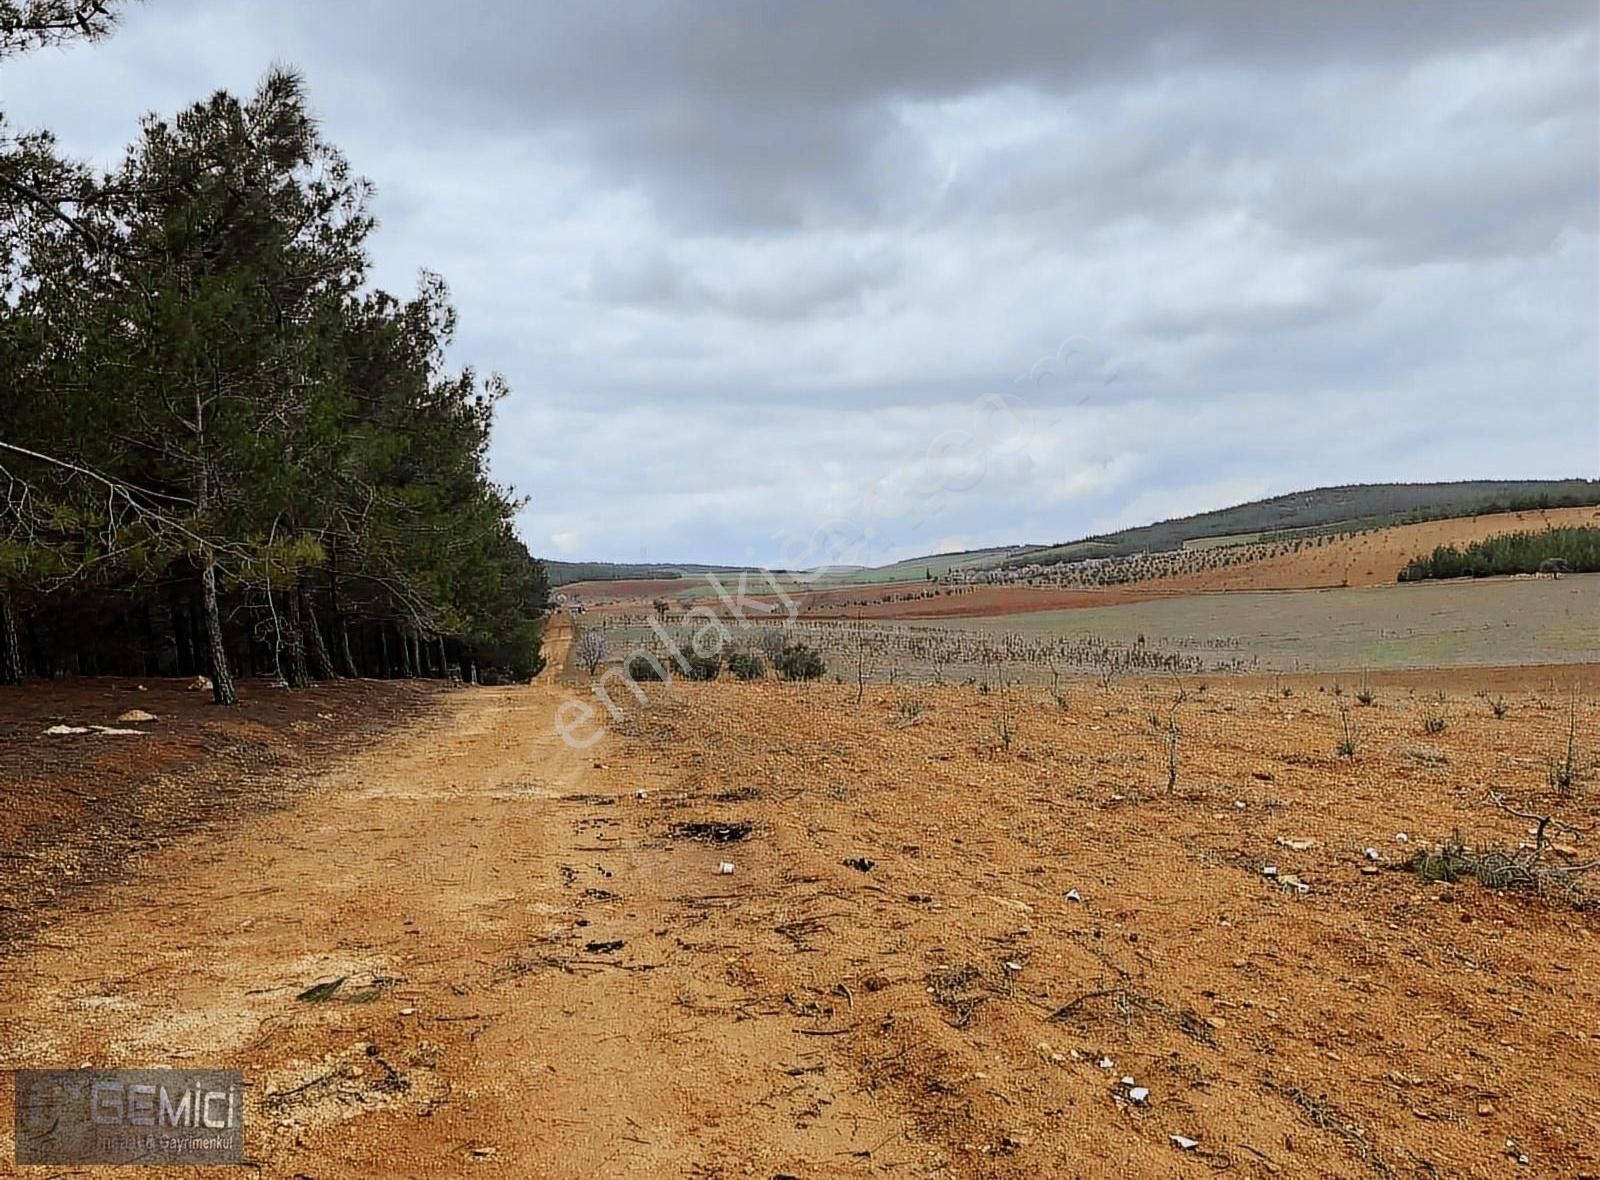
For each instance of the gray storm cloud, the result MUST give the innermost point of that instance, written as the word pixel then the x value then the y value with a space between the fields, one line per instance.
pixel 751 268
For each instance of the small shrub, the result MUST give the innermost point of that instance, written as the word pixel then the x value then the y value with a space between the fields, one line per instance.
pixel 643 667
pixel 1500 868
pixel 1005 730
pixel 1445 863
pixel 1433 719
pixel 1349 739
pixel 746 665
pixel 908 710
pixel 1568 770
pixel 800 662
pixel 702 667
pixel 1499 708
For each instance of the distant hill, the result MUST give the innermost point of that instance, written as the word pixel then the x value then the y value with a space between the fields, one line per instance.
pixel 1345 508
pixel 937 565
pixel 564 573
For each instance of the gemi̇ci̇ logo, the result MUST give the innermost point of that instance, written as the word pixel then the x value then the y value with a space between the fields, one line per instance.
pixel 129 1116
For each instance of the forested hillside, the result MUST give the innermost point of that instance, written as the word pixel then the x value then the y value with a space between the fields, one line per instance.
pixel 1349 507
pixel 564 573
pixel 221 451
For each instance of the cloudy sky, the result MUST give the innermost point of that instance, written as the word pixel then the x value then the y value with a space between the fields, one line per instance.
pixel 787 282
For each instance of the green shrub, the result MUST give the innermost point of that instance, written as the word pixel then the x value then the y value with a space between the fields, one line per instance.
pixel 746 665
pixel 702 667
pixel 643 667
pixel 1498 868
pixel 1448 862
pixel 800 662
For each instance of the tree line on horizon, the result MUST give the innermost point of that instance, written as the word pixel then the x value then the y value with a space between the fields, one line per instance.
pixel 221 450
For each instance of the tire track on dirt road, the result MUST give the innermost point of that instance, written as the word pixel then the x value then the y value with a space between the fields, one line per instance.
pixel 468 879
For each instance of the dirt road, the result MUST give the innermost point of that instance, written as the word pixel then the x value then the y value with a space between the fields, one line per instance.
pixel 464 880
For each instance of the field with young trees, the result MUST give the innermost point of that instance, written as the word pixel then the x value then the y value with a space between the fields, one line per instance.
pixel 222 451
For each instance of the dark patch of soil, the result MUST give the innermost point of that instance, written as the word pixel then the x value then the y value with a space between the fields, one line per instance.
pixel 713 833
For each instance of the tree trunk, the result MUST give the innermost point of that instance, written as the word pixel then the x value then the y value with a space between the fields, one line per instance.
pixel 10 649
pixel 347 661
pixel 321 664
pixel 444 660
pixel 408 669
pixel 35 654
pixel 221 679
pixel 152 642
pixel 294 644
pixel 341 628
pixel 383 652
pixel 181 633
pixel 195 613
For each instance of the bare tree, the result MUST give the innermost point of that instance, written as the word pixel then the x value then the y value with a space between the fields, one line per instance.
pixel 589 650
pixel 1171 733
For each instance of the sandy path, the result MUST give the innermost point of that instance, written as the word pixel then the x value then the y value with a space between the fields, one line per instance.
pixel 454 876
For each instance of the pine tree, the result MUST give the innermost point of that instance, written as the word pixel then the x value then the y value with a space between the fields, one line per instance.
pixel 268 437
